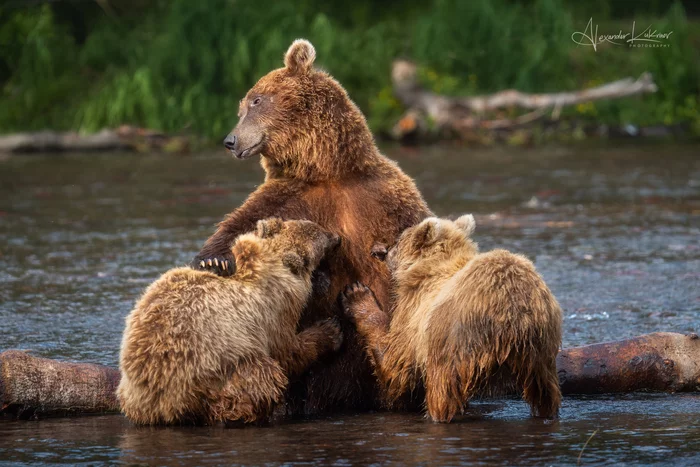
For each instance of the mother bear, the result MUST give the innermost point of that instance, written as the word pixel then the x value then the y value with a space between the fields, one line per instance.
pixel 321 164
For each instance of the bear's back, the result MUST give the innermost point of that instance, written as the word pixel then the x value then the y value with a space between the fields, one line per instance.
pixel 494 287
pixel 196 316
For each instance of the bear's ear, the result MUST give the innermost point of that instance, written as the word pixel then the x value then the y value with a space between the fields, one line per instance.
pixel 268 227
pixel 300 56
pixel 246 254
pixel 466 223
pixel 427 232
pixel 294 262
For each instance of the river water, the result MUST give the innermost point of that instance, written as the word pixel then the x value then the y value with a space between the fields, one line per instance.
pixel 615 231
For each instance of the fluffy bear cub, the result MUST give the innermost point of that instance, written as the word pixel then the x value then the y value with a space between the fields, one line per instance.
pixel 462 323
pixel 199 348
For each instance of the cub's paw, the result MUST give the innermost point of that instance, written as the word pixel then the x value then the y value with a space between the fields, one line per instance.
pixel 220 265
pixel 330 329
pixel 353 297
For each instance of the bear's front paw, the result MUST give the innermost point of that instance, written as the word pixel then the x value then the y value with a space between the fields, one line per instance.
pixel 352 298
pixel 222 265
pixel 331 330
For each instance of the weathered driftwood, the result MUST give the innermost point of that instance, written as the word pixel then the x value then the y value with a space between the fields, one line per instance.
pixel 123 138
pixel 51 141
pixel 32 386
pixel 460 114
pixel 662 362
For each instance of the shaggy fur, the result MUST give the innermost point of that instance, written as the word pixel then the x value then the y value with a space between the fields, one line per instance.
pixel 462 323
pixel 200 348
pixel 321 164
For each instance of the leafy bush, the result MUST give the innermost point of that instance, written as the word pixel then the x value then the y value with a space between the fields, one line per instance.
pixel 178 64
pixel 501 44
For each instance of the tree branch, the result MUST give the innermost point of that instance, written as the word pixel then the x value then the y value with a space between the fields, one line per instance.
pixel 467 113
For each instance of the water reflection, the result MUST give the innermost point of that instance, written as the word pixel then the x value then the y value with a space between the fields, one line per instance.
pixel 637 429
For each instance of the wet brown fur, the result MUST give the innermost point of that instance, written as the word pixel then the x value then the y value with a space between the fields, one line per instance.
pixel 462 323
pixel 322 164
pixel 199 348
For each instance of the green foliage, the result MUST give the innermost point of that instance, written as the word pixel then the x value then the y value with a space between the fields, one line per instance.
pixel 501 44
pixel 39 78
pixel 178 64
pixel 199 61
pixel 676 71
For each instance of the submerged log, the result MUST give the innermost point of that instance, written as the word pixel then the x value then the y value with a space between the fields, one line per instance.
pixel 662 362
pixel 32 386
pixel 658 362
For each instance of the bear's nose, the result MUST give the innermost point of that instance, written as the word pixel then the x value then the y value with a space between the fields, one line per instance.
pixel 230 142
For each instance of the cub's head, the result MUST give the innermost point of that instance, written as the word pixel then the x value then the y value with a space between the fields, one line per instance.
pixel 432 242
pixel 299 244
pixel 299 119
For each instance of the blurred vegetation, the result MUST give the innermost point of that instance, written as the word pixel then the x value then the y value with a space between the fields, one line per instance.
pixel 178 65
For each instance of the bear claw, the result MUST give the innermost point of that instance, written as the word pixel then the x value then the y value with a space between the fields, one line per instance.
pixel 331 329
pixel 352 294
pixel 218 265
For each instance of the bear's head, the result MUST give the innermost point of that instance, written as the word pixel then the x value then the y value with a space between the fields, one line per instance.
pixel 299 244
pixel 433 243
pixel 302 122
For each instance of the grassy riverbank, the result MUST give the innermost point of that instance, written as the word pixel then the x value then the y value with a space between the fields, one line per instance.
pixel 182 66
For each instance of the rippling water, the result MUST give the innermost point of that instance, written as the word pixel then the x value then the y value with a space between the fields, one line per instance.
pixel 615 231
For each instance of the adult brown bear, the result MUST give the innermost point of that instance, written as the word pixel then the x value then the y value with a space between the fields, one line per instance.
pixel 321 164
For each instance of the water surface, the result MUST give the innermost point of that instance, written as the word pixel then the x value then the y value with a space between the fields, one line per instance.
pixel 614 231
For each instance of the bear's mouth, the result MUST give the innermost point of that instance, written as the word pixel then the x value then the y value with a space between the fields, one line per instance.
pixel 249 151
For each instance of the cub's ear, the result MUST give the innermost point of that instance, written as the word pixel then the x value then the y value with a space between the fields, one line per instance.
pixel 294 262
pixel 268 227
pixel 300 56
pixel 246 253
pixel 466 223
pixel 427 232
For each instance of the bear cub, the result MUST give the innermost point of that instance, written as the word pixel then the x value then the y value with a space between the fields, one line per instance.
pixel 462 323
pixel 199 348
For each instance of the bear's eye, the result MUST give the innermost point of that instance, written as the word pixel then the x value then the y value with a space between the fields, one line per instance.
pixel 256 101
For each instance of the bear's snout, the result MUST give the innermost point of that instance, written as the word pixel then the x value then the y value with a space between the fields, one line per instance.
pixel 230 142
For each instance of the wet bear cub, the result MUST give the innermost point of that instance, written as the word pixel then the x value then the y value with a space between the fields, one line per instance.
pixel 199 348
pixel 462 323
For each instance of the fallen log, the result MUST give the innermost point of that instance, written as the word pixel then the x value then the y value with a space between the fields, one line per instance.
pixel 31 386
pixel 52 141
pixel 124 138
pixel 464 114
pixel 660 362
